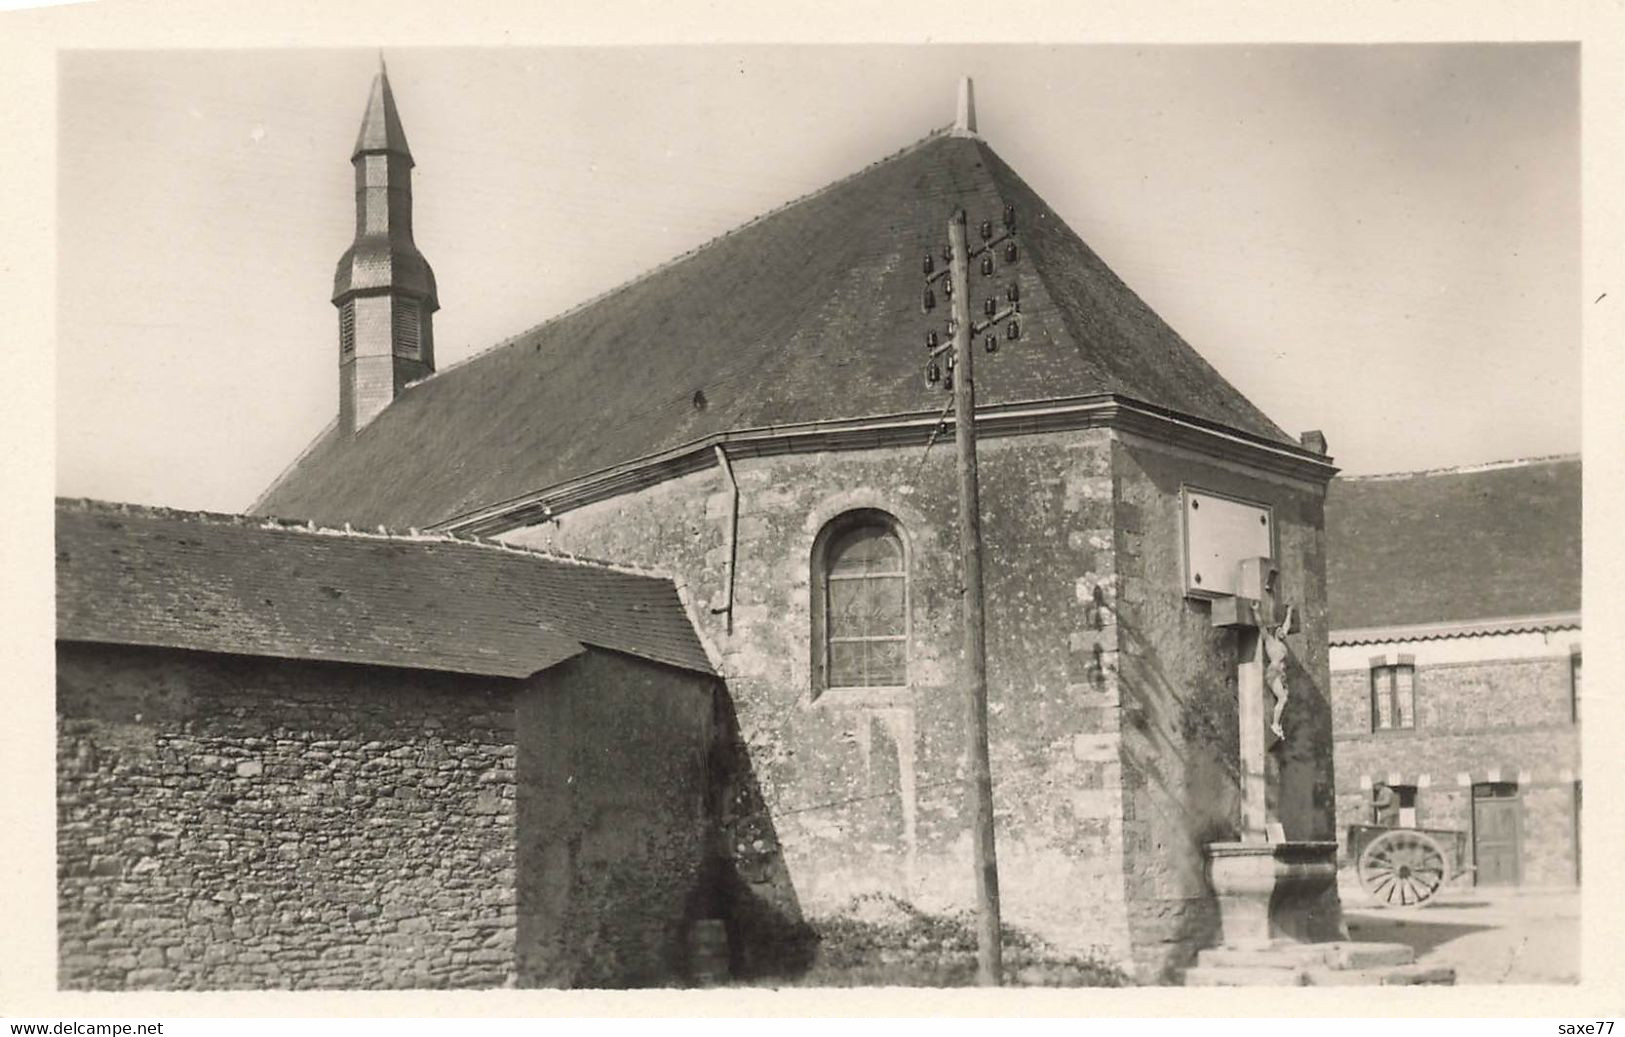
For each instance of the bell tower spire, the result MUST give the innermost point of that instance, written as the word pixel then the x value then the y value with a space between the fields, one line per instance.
pixel 383 287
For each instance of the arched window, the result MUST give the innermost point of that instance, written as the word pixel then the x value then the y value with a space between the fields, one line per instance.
pixel 860 608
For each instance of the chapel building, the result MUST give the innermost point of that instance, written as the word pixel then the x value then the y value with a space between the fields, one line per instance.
pixel 751 419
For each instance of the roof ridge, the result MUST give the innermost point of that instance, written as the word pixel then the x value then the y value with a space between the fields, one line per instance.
pixel 938 133
pixel 1467 469
pixel 411 535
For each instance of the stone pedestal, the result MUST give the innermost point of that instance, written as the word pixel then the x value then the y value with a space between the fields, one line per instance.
pixel 1282 925
pixel 1273 892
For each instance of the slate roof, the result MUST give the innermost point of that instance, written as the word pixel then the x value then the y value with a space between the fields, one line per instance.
pixel 217 583
pixel 810 313
pixel 1457 545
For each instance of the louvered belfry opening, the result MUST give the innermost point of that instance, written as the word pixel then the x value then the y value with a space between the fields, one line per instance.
pixel 347 329
pixel 407 329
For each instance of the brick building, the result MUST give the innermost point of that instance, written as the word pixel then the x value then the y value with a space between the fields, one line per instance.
pixel 293 757
pixel 751 417
pixel 1455 657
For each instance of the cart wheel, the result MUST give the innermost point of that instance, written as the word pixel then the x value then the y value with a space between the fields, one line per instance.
pixel 1402 868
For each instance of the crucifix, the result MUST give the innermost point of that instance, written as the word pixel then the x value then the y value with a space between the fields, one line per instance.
pixel 1261 624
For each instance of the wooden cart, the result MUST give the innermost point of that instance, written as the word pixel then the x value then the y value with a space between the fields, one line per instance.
pixel 1404 867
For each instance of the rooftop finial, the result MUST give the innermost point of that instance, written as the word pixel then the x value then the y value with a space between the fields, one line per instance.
pixel 380 125
pixel 965 119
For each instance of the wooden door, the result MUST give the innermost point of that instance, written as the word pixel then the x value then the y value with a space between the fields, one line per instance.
pixel 1496 834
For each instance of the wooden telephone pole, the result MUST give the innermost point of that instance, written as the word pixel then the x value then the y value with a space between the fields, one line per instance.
pixel 963 332
pixel 989 945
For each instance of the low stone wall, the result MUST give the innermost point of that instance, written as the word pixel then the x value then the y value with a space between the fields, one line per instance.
pixel 251 823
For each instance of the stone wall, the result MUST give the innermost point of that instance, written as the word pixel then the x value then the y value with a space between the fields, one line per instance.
pixel 1492 720
pixel 1178 695
pixel 1468 697
pixel 225 822
pixel 864 795
pixel 615 834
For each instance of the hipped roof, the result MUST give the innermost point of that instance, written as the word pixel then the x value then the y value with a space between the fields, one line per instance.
pixel 1447 547
pixel 217 583
pixel 810 313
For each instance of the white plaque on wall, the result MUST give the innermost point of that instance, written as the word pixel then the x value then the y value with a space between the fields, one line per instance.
pixel 1220 531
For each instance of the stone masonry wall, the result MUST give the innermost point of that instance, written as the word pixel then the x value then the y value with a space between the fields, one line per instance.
pixel 1178 695
pixel 1495 720
pixel 615 832
pixel 248 823
pixel 865 794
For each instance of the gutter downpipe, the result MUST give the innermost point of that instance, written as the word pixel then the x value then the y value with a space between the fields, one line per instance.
pixel 733 536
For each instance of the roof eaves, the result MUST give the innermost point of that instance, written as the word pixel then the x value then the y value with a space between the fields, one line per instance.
pixel 355 659
pixel 888 429
pixel 1460 628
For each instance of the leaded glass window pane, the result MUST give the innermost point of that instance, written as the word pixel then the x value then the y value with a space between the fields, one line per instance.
pixel 869 606
pixel 885 663
pixel 846 663
pixel 865 614
pixel 866 549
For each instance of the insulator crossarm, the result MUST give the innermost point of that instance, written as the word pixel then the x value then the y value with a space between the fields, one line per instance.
pixel 985 246
pixel 977 327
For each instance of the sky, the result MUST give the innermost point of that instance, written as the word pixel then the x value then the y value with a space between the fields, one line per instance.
pixel 1381 242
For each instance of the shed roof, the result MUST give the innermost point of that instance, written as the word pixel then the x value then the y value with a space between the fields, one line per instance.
pixel 1451 546
pixel 809 313
pixel 219 583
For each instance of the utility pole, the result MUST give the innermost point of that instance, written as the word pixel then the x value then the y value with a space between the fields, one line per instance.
pixel 960 380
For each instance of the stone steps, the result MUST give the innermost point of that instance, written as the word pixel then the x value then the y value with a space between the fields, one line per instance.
pixel 1341 954
pixel 1338 963
pixel 1241 976
pixel 1395 976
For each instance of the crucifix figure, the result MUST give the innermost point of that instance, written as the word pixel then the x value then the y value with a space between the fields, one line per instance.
pixel 1275 652
pixel 1261 654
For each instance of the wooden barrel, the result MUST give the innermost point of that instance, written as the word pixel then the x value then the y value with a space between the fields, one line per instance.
pixel 708 952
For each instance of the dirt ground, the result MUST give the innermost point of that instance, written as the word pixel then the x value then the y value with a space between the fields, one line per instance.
pixel 1487 935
